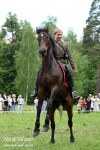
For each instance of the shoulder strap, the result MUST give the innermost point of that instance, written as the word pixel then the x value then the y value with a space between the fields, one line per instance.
pixel 61 46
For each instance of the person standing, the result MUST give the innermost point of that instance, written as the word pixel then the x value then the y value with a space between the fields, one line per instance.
pixel 80 102
pixel 84 105
pixel 36 104
pixel 13 102
pixel 5 101
pixel 1 102
pixel 96 103
pixel 92 103
pixel 99 100
pixel 88 104
pixel 20 101
pixel 44 106
pixel 78 108
pixel 9 102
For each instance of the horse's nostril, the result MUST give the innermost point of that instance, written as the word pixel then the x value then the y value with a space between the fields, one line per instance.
pixel 43 52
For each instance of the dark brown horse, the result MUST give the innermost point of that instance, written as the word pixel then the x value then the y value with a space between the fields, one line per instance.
pixel 51 85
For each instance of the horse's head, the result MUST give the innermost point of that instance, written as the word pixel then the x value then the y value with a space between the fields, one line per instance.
pixel 44 40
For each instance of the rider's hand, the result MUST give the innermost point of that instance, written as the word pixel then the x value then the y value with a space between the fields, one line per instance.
pixel 75 70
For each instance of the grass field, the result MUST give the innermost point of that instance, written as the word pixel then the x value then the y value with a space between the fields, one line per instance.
pixel 17 132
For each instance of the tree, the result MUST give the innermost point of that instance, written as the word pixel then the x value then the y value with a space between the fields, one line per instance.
pixel 7 70
pixel 91 38
pixel 81 62
pixel 27 62
pixel 92 30
pixel 11 26
pixel 71 40
pixel 51 23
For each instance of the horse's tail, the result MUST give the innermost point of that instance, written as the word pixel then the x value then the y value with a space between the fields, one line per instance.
pixel 60 112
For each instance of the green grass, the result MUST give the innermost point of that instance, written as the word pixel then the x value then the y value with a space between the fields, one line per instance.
pixel 16 132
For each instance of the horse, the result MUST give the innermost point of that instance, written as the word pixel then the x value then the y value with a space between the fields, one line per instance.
pixel 51 85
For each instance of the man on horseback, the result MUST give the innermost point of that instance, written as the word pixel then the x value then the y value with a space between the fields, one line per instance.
pixel 63 54
pixel 62 50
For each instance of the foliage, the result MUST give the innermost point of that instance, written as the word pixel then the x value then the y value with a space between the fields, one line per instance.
pixel 92 31
pixel 91 43
pixel 26 62
pixel 11 26
pixel 50 23
pixel 8 72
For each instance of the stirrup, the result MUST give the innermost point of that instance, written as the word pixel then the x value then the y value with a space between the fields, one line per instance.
pixel 34 94
pixel 75 94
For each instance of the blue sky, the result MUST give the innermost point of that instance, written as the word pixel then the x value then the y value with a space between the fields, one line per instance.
pixel 69 13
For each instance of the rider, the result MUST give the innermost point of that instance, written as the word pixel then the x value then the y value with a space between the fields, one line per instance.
pixel 61 47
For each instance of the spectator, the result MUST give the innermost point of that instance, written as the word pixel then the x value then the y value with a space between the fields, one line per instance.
pixel 5 101
pixel 96 103
pixel 99 100
pixel 79 107
pixel 9 102
pixel 88 104
pixel 1 102
pixel 13 102
pixel 36 104
pixel 92 103
pixel 20 103
pixel 44 106
pixel 80 102
pixel 84 105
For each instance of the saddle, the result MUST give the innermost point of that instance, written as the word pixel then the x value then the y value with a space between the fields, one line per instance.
pixel 64 74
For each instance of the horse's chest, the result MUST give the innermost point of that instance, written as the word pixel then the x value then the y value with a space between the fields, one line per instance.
pixel 47 80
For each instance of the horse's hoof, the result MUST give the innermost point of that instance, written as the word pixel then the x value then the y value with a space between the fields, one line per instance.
pixel 45 129
pixel 52 141
pixel 36 133
pixel 72 139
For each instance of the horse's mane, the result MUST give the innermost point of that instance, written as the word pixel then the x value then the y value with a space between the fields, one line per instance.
pixel 53 48
pixel 51 39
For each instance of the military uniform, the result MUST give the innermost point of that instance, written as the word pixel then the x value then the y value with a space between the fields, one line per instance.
pixel 60 54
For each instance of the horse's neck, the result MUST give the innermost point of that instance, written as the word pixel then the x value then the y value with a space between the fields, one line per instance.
pixel 49 61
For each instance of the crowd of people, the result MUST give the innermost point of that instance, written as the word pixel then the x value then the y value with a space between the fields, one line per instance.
pixel 8 102
pixel 92 103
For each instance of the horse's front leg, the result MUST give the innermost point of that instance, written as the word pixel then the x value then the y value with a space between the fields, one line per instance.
pixel 51 117
pixel 46 125
pixel 37 123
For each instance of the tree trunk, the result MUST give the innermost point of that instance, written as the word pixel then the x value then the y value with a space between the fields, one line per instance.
pixel 98 80
pixel 27 78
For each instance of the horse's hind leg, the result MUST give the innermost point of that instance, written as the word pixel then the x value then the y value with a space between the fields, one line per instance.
pixel 37 123
pixel 46 125
pixel 70 115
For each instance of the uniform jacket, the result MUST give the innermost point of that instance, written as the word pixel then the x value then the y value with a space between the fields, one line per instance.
pixel 60 54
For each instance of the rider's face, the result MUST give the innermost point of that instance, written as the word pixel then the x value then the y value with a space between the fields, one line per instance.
pixel 58 36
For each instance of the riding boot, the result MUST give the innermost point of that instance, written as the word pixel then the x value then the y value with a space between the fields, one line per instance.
pixel 70 81
pixel 34 93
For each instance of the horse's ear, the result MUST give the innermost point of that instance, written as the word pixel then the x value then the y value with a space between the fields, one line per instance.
pixel 48 29
pixel 37 30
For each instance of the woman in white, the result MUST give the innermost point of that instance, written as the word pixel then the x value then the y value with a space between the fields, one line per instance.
pixel 1 102
pixel 96 103
pixel 9 102
pixel 92 103
pixel 20 101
